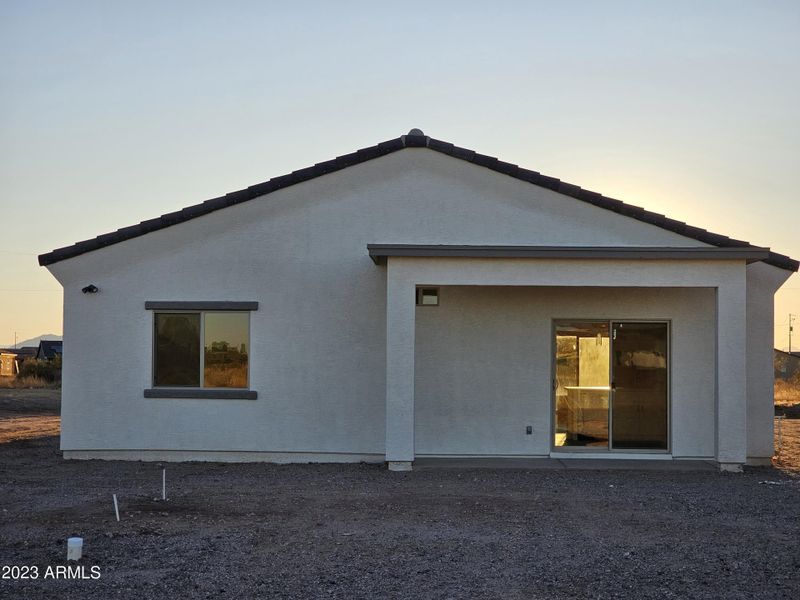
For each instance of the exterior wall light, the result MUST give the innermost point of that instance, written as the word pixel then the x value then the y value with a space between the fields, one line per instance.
pixel 90 289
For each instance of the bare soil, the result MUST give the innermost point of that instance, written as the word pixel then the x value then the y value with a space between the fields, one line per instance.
pixel 359 531
pixel 29 413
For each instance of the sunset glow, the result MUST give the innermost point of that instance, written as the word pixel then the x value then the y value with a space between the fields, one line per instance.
pixel 111 114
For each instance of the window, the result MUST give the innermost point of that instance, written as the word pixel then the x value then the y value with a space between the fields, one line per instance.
pixel 201 353
pixel 427 296
pixel 177 350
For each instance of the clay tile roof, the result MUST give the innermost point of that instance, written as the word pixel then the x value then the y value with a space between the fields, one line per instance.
pixel 407 141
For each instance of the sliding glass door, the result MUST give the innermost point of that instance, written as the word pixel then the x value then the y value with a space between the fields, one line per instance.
pixel 610 385
pixel 639 385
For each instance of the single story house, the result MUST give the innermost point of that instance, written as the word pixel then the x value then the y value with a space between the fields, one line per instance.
pixel 787 364
pixel 25 353
pixel 417 299
pixel 49 349
pixel 11 359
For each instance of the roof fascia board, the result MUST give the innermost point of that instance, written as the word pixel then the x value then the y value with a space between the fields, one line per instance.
pixel 380 252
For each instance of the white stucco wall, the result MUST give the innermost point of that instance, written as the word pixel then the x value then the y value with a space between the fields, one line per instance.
pixel 762 282
pixel 318 340
pixel 483 364
pixel 726 278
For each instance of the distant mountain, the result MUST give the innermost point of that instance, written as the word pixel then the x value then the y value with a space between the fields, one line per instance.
pixel 33 341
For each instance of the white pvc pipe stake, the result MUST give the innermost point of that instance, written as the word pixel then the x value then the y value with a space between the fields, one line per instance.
pixel 74 548
pixel 163 484
pixel 116 507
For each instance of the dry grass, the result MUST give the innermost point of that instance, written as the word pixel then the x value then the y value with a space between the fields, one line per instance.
pixel 787 392
pixel 787 444
pixel 27 383
pixel 222 376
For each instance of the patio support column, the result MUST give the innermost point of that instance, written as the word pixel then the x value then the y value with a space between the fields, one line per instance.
pixel 400 314
pixel 732 375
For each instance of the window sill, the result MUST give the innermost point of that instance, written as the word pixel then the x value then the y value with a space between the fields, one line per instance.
pixel 211 394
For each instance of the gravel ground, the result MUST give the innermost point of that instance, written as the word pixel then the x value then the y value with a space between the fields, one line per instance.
pixel 358 531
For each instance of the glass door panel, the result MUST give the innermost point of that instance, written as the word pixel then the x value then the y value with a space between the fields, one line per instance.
pixel 582 384
pixel 639 386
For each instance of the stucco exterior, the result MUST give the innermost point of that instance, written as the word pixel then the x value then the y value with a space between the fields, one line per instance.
pixel 727 279
pixel 347 368
pixel 762 282
pixel 483 365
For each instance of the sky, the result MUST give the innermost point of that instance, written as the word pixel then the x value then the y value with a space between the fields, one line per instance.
pixel 116 112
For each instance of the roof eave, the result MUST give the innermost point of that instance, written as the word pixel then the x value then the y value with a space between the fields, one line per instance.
pixel 388 147
pixel 380 252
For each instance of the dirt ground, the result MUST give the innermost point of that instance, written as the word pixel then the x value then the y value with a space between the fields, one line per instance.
pixel 27 414
pixel 358 531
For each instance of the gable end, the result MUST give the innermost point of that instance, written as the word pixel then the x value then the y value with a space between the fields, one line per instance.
pixel 394 145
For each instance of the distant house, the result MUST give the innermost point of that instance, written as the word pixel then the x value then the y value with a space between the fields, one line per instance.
pixel 26 352
pixel 8 363
pixel 11 359
pixel 416 299
pixel 787 364
pixel 49 349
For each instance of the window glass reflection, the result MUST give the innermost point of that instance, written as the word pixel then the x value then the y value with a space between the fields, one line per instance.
pixel 582 384
pixel 226 348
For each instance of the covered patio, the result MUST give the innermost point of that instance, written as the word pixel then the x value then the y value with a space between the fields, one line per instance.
pixel 720 271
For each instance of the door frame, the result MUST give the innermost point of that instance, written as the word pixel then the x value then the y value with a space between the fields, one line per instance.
pixel 610 449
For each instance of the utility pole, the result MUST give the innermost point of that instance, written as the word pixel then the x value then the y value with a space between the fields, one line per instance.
pixel 791 318
pixel 15 341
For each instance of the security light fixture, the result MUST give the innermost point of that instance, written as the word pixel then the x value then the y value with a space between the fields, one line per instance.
pixel 427 296
pixel 90 289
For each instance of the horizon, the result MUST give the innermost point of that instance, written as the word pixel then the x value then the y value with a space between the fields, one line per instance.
pixel 112 115
pixel 27 342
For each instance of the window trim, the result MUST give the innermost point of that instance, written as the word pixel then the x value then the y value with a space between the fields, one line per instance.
pixel 182 306
pixel 200 308
pixel 208 393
